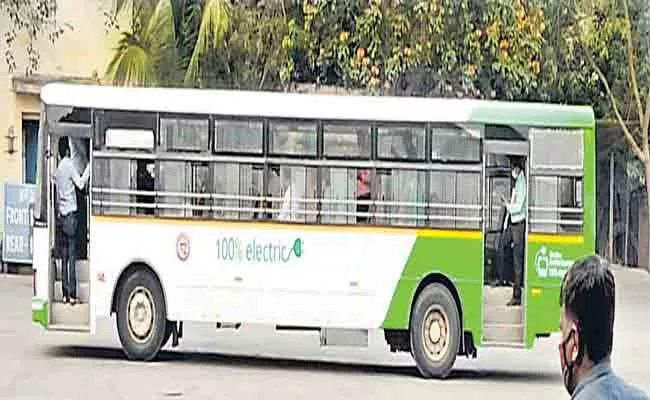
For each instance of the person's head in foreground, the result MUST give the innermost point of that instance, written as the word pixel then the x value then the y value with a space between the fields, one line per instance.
pixel 587 298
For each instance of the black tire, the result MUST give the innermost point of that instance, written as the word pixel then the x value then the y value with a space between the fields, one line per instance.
pixel 169 329
pixel 143 347
pixel 437 302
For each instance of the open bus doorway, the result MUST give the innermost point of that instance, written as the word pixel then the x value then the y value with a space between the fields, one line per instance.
pixel 69 128
pixel 505 241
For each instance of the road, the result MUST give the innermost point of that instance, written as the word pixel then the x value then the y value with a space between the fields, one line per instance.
pixel 255 363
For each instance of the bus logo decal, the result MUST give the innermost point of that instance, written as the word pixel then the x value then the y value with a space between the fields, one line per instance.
pixel 551 264
pixel 183 247
pixel 235 250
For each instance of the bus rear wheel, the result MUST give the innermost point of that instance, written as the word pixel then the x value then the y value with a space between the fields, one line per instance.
pixel 141 316
pixel 435 331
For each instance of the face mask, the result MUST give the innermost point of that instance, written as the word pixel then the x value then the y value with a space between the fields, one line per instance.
pixel 568 366
pixel 514 174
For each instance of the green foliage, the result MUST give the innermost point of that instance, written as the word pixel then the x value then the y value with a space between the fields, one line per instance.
pixel 251 54
pixel 467 48
pixel 215 21
pixel 501 49
pixel 586 31
pixel 146 56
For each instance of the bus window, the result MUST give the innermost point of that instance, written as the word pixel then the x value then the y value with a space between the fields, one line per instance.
pixel 400 199
pixel 468 200
pixel 111 174
pixel 172 185
pixel 237 188
pixel 346 141
pixel 129 139
pixel 145 182
pixel 292 138
pixel 555 204
pixel 556 180
pixel 442 195
pixel 570 198
pixel 295 198
pixel 363 195
pixel 401 142
pixel 238 136
pixel 200 189
pixel 178 134
pixel 338 194
pixel 455 144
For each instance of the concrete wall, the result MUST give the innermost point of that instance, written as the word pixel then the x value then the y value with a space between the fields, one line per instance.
pixel 81 53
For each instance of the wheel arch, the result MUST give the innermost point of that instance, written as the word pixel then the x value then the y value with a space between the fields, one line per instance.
pixel 135 265
pixel 440 278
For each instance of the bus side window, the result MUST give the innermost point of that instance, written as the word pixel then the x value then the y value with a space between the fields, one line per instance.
pixel 338 195
pixel 295 194
pixel 145 182
pixel 200 190
pixel 405 187
pixel 234 187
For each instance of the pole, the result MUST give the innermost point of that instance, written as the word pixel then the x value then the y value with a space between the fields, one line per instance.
pixel 611 207
pixel 627 217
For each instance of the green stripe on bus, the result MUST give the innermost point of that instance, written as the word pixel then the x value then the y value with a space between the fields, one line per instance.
pixel 457 258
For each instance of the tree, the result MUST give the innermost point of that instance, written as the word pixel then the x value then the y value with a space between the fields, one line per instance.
pixel 412 46
pixel 253 52
pixel 164 38
pixel 145 54
pixel 34 18
pixel 599 27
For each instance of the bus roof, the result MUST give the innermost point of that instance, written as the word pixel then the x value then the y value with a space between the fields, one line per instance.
pixel 316 106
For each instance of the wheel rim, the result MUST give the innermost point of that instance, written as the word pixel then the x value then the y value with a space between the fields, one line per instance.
pixel 141 314
pixel 435 333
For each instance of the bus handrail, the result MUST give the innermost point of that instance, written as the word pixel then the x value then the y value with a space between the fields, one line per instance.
pixel 225 196
pixel 193 207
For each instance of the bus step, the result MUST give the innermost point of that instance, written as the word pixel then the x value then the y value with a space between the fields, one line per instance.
pixel 518 345
pixel 69 328
pixel 503 315
pixel 82 269
pixel 71 315
pixel 503 333
pixel 83 291
pixel 496 296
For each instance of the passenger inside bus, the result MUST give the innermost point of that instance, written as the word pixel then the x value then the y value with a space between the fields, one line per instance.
pixel 69 217
pixel 363 195
pixel 291 198
pixel 145 183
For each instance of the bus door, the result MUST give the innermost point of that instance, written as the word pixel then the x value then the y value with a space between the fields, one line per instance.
pixel 63 122
pixel 503 322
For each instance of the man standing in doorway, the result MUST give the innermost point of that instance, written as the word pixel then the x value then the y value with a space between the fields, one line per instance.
pixel 67 181
pixel 517 212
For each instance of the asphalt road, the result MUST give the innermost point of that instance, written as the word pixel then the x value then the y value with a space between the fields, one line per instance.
pixel 255 363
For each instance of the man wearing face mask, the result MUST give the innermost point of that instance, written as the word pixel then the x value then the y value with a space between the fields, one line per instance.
pixel 587 325
pixel 516 218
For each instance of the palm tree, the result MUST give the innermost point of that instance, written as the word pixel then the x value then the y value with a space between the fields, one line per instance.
pixel 166 40
pixel 215 20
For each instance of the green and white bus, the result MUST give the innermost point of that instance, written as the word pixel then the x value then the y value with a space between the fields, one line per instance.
pixel 334 214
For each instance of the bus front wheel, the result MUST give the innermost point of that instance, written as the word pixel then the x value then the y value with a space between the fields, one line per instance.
pixel 141 316
pixel 435 331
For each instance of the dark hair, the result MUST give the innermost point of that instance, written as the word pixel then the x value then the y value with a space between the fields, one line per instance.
pixel 63 146
pixel 517 161
pixel 588 295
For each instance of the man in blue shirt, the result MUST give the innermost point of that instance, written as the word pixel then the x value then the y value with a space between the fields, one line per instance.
pixel 67 181
pixel 517 210
pixel 587 324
